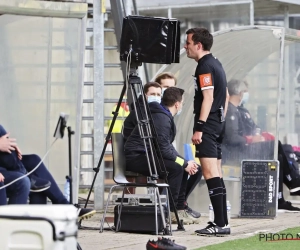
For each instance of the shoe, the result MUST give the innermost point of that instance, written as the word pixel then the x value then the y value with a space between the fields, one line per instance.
pixel 163 244
pixel 295 185
pixel 38 185
pixel 213 230
pixel 192 212
pixel 84 213
pixel 182 216
pixel 287 207
pixel 195 220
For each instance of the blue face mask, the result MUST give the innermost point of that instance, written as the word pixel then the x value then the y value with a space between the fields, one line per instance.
pixel 152 98
pixel 245 98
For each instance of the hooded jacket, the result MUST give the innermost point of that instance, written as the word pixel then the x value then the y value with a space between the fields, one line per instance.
pixel 166 131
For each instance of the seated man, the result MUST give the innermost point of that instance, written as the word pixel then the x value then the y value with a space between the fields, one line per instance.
pixel 153 92
pixel 242 141
pixel 17 164
pixel 177 167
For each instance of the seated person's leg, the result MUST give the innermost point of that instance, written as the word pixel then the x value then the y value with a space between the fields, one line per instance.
pixel 2 194
pixel 53 193
pixel 17 192
pixel 191 184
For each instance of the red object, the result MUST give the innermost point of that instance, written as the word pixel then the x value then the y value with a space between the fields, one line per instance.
pixel 268 136
pixel 249 139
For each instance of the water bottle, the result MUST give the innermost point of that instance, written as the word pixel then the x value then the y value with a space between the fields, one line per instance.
pixel 67 189
pixel 228 211
pixel 211 213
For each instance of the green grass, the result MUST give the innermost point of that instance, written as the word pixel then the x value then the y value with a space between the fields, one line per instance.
pixel 254 243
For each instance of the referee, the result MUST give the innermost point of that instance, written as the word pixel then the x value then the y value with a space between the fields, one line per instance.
pixel 210 105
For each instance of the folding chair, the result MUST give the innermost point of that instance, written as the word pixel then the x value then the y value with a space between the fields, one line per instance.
pixel 119 177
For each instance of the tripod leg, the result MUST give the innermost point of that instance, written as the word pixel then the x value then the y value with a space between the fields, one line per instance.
pixel 105 210
pixel 78 246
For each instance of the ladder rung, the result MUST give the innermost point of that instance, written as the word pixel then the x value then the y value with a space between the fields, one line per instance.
pixel 110 47
pixel 111 100
pixel 89 65
pixel 92 152
pixel 92 170
pixel 88 83
pixel 84 186
pixel 87 118
pixel 88 101
pixel 86 152
pixel 90 29
pixel 87 135
pixel 112 65
pixel 88 47
pixel 109 83
pixel 108 118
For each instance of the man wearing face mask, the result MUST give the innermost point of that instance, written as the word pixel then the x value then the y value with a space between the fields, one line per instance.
pixel 242 141
pixel 152 91
pixel 178 168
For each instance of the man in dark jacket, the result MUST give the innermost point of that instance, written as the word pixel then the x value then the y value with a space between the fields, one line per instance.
pixel 178 168
pixel 243 140
pixel 153 92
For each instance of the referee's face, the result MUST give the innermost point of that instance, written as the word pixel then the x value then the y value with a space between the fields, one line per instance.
pixel 190 47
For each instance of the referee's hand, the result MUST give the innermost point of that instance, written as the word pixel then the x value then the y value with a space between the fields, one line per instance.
pixel 197 138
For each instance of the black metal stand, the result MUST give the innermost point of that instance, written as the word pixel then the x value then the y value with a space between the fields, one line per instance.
pixel 69 177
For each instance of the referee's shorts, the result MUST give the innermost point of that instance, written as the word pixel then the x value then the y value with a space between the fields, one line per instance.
pixel 212 138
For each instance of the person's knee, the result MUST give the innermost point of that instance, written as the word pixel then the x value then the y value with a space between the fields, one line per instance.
pixel 24 184
pixel 35 158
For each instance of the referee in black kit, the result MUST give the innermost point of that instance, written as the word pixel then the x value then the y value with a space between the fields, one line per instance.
pixel 210 106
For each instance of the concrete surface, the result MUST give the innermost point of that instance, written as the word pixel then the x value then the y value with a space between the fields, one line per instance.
pixel 240 228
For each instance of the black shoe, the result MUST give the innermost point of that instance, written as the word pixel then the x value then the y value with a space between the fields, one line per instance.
pixel 38 184
pixel 192 212
pixel 163 244
pixel 295 185
pixel 84 213
pixel 287 207
pixel 213 230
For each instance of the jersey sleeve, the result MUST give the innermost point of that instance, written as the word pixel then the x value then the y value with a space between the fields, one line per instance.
pixel 205 77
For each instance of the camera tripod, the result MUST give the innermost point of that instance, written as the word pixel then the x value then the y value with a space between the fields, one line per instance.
pixel 148 135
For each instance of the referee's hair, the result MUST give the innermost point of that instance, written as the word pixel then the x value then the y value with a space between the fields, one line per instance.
pixel 235 86
pixel 201 35
pixel 171 96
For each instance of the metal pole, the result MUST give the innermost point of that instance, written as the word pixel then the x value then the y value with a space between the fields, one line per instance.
pixel 98 20
pixel 251 13
pixel 280 84
pixel 169 13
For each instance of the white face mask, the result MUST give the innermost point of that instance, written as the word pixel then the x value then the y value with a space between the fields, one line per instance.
pixel 162 91
pixel 152 98
pixel 179 112
pixel 245 98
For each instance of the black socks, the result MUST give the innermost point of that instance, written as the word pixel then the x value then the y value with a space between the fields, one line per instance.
pixel 224 203
pixel 215 191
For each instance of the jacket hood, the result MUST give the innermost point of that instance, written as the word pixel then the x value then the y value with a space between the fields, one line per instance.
pixel 155 107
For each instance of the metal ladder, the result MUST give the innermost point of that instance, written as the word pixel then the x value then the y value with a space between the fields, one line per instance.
pixel 94 102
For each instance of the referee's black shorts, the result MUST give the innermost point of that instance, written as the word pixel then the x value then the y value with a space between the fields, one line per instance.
pixel 212 138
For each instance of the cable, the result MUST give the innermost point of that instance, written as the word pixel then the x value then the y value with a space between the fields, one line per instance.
pixel 8 184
